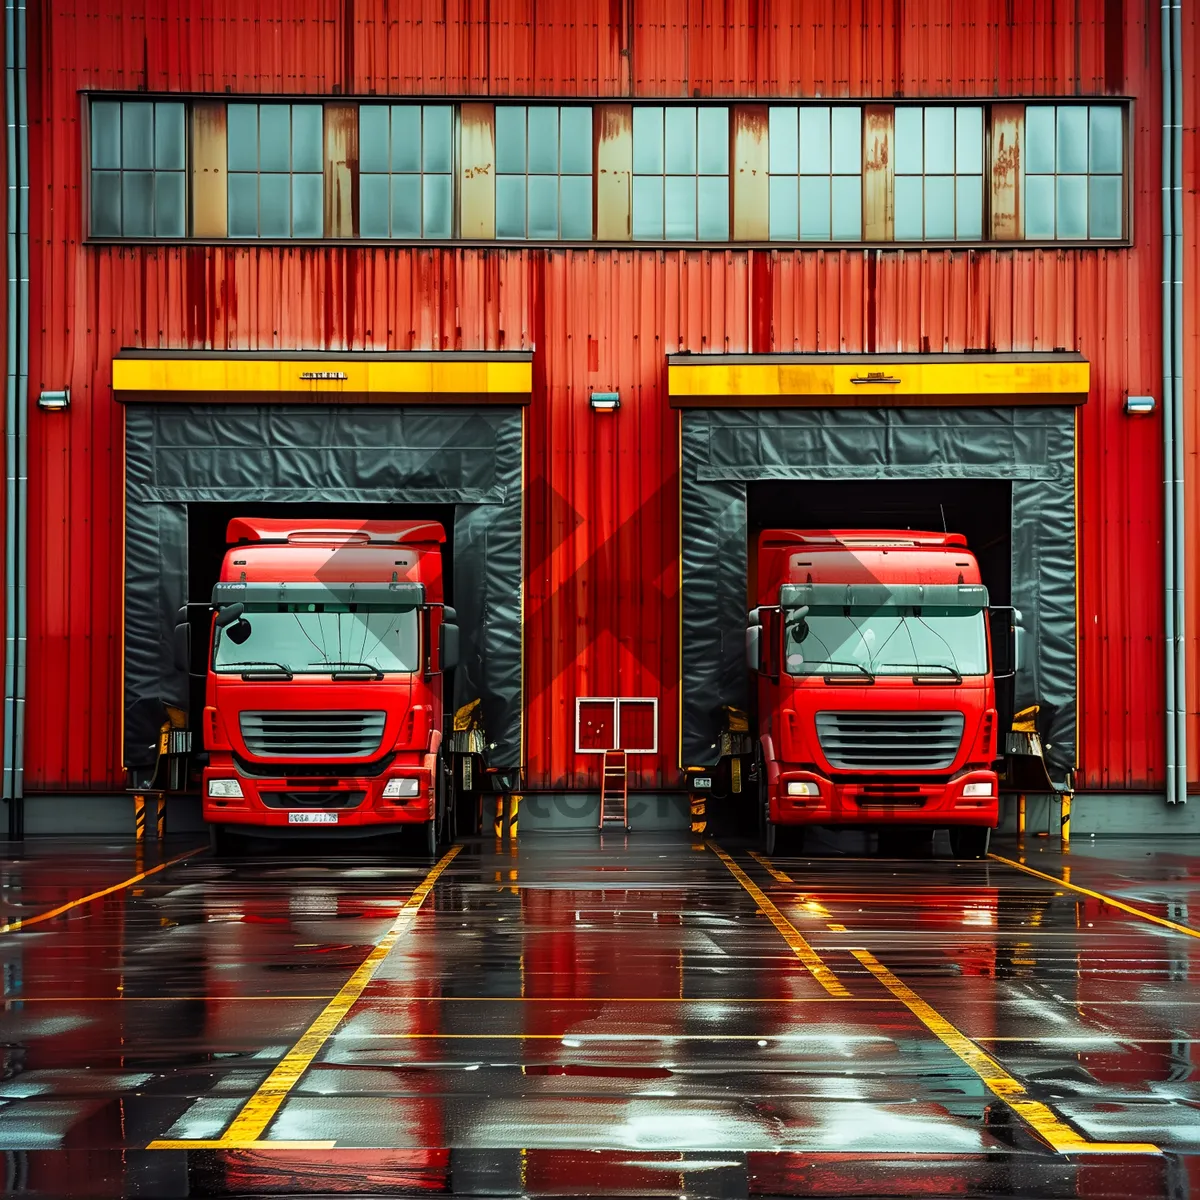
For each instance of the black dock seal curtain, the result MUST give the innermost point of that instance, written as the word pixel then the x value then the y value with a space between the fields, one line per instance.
pixel 724 449
pixel 291 454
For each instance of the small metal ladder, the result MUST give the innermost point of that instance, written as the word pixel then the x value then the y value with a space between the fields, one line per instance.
pixel 614 790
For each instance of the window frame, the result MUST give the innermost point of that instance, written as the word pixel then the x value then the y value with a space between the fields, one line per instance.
pixel 1125 103
pixel 616 702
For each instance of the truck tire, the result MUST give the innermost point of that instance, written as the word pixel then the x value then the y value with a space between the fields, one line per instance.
pixel 970 841
pixel 768 831
pixel 431 837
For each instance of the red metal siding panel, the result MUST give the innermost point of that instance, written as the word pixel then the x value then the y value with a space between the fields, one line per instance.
pixel 602 543
pixel 1191 364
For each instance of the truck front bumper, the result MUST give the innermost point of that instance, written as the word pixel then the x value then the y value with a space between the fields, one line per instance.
pixel 295 803
pixel 885 801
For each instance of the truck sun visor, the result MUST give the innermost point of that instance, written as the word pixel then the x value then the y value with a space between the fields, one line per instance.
pixel 369 594
pixel 873 595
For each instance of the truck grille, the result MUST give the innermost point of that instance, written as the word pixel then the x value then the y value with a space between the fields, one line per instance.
pixel 312 734
pixel 890 741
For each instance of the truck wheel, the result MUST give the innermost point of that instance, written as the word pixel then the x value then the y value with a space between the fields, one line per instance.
pixel 970 841
pixel 431 837
pixel 768 831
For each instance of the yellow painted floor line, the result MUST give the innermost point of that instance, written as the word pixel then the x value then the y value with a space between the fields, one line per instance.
pixel 790 934
pixel 221 1144
pixel 1045 1123
pixel 25 922
pixel 257 1113
pixel 776 874
pixel 1129 908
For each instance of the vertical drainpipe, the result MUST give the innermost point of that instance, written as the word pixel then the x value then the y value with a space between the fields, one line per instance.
pixel 17 386
pixel 1174 528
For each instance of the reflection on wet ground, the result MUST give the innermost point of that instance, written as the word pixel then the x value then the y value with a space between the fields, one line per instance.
pixel 638 1017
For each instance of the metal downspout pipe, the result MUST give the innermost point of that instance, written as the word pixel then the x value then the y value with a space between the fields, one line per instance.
pixel 1174 528
pixel 16 393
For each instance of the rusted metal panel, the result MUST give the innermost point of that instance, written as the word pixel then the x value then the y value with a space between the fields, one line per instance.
pixel 751 181
pixel 612 129
pixel 477 171
pixel 1008 138
pixel 210 192
pixel 878 172
pixel 341 170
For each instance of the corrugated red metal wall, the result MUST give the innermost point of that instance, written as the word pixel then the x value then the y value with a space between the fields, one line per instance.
pixel 603 532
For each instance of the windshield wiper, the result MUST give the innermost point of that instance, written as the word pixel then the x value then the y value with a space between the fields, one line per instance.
pixel 357 669
pixel 833 662
pixel 922 668
pixel 274 668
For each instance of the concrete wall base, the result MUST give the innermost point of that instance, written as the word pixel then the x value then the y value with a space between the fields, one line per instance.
pixel 581 810
pixel 105 815
pixel 1121 813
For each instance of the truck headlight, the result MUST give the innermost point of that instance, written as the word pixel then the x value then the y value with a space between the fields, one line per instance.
pixel 395 788
pixel 977 789
pixel 802 787
pixel 224 788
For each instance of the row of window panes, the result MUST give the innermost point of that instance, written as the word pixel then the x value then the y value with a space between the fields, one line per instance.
pixel 1072 180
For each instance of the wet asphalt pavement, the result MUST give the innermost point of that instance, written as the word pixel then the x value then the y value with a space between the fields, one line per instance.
pixel 638 1017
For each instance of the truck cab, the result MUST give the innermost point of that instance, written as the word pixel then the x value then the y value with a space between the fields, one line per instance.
pixel 323 695
pixel 875 687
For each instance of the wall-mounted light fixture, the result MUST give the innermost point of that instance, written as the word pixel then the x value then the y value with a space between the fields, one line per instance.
pixel 1139 406
pixel 605 401
pixel 55 401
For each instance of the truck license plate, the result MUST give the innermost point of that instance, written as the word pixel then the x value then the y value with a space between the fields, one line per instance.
pixel 312 818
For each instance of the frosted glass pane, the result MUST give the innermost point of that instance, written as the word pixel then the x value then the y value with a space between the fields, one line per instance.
pixel 968 141
pixel 712 208
pixel 782 126
pixel 1039 139
pixel 137 204
pixel 241 121
pixel 406 206
pixel 939 141
pixel 1072 139
pixel 373 140
pixel 106 203
pixel 647 206
pixel 510 206
pixel 846 130
pixel 969 207
pixel 436 207
pixel 275 135
pixel 712 141
pixel 308 137
pixel 308 206
pixel 575 136
pixel 436 150
pixel 847 207
pixel 783 225
pixel 939 206
pixel 814 207
pixel 910 206
pixel 543 141
pixel 680 197
pixel 680 140
pixel 137 135
pixel 909 140
pixel 243 205
pixel 575 220
pixel 1039 207
pixel 1104 138
pixel 170 208
pixel 406 137
pixel 814 144
pixel 510 139
pixel 1071 206
pixel 1104 206
pixel 275 206
pixel 106 134
pixel 373 206
pixel 543 206
pixel 647 141
pixel 168 137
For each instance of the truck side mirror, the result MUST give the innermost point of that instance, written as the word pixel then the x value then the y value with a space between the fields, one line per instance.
pixel 229 614
pixel 448 647
pixel 183 647
pixel 753 646
pixel 1020 641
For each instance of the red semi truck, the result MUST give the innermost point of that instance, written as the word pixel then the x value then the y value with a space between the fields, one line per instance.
pixel 323 698
pixel 876 693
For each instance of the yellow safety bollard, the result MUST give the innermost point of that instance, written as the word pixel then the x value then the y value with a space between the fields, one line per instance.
pixel 498 819
pixel 699 815
pixel 1021 814
pixel 514 804
pixel 161 817
pixel 1065 821
pixel 139 818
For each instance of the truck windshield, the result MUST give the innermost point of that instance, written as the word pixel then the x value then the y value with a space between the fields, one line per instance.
pixel 885 641
pixel 318 639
